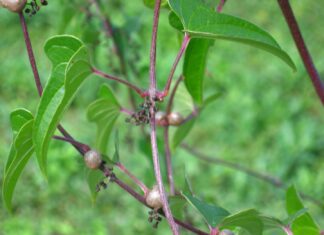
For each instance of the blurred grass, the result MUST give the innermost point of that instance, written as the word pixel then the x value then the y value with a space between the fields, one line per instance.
pixel 269 119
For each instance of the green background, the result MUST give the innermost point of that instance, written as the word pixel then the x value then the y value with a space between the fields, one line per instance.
pixel 268 119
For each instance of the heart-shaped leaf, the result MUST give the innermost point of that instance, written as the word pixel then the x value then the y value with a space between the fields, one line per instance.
pixel 104 112
pixel 212 214
pixel 249 220
pixel 20 152
pixel 201 21
pixel 71 66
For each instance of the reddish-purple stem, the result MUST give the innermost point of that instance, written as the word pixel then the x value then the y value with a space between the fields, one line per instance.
pixel 183 48
pixel 287 230
pixel 31 54
pixel 152 92
pixel 141 199
pixel 126 111
pixel 168 159
pixel 130 85
pixel 85 148
pixel 214 231
pixel 303 51
pixel 166 139
pixel 133 177
pixel 220 5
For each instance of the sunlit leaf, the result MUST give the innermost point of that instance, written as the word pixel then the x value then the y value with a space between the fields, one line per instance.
pixel 201 21
pixel 194 67
pixel 18 118
pixel 212 214
pixel 301 223
pixel 20 153
pixel 249 220
pixel 71 66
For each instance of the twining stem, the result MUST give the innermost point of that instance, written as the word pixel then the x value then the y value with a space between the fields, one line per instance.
pixel 261 176
pixel 220 5
pixel 214 231
pixel 141 199
pixel 152 93
pixel 287 230
pixel 133 177
pixel 85 148
pixel 183 48
pixel 31 54
pixel 167 149
pixel 35 71
pixel 127 83
pixel 302 48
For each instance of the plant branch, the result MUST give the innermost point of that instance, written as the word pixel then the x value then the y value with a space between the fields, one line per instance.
pixel 167 149
pixel 108 173
pixel 133 177
pixel 85 148
pixel 183 48
pixel 302 48
pixel 31 54
pixel 127 83
pixel 287 230
pixel 152 93
pixel 261 176
pixel 141 199
pixel 220 5
pixel 172 95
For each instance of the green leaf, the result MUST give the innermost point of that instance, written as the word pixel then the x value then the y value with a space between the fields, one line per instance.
pixel 249 220
pixel 177 204
pixel 209 100
pixel 212 214
pixel 18 118
pixel 194 67
pixel 71 66
pixel 294 205
pixel 175 22
pixel 21 151
pixel 116 154
pixel 271 223
pixel 187 185
pixel 201 21
pixel 93 178
pixel 104 112
pixel 181 132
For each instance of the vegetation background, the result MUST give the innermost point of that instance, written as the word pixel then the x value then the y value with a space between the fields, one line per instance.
pixel 268 118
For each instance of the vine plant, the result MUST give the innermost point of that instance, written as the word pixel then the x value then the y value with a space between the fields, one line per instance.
pixel 200 24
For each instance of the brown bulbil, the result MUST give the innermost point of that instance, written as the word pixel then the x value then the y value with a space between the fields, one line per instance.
pixel 175 119
pixel 13 5
pixel 153 198
pixel 92 159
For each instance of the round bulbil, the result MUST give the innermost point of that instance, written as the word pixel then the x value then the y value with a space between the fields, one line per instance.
pixel 92 159
pixel 13 5
pixel 153 198
pixel 175 119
